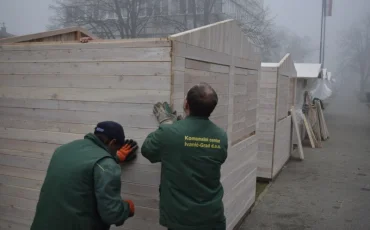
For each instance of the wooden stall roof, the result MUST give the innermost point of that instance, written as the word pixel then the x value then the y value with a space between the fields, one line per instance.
pixel 49 35
pixel 285 66
pixel 223 37
pixel 308 70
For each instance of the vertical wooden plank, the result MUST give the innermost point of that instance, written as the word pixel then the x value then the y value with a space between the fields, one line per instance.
pixel 296 128
pixel 230 111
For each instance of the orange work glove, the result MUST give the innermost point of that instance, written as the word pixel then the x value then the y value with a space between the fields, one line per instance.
pixel 131 206
pixel 128 151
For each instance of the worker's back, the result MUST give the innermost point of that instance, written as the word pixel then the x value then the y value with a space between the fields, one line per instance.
pixel 67 198
pixel 191 191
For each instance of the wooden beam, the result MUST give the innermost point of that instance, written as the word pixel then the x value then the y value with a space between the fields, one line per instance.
pixel 296 128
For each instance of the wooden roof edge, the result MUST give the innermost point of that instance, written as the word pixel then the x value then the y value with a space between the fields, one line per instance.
pixel 46 34
pixel 174 36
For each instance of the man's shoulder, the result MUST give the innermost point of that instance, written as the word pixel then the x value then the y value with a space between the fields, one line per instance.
pixel 218 130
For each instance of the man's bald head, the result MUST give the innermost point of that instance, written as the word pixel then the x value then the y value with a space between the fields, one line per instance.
pixel 202 100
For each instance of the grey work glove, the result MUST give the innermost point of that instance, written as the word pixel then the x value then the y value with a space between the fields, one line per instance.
pixel 170 110
pixel 164 113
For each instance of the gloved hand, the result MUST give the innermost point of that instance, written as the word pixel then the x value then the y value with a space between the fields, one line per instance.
pixel 164 113
pixel 128 151
pixel 170 110
pixel 131 206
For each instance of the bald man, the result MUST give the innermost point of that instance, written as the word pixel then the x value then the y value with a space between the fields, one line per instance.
pixel 191 152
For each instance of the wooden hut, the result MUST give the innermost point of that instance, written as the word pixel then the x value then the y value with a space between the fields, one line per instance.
pixel 61 35
pixel 53 93
pixel 276 96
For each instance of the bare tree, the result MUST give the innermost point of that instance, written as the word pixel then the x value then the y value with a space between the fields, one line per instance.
pixel 106 18
pixel 355 51
pixel 137 18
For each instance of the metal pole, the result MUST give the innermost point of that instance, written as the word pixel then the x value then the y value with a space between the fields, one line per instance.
pixel 324 41
pixel 322 27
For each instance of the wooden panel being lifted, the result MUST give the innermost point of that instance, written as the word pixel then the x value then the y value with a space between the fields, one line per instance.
pixel 222 56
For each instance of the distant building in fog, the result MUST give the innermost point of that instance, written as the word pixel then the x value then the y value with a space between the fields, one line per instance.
pixel 165 16
pixel 3 33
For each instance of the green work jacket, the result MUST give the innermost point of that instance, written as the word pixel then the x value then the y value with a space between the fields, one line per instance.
pixel 81 190
pixel 191 152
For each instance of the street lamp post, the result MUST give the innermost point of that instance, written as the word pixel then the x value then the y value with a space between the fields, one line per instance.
pixel 326 11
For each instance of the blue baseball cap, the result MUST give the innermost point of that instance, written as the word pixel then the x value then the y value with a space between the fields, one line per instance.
pixel 112 130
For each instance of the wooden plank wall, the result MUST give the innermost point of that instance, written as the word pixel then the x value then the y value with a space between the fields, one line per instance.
pixel 292 91
pixel 283 100
pixel 53 94
pixel 266 121
pixel 282 144
pixel 277 93
pixel 220 55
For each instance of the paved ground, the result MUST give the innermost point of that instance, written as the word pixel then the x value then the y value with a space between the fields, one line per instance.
pixel 331 188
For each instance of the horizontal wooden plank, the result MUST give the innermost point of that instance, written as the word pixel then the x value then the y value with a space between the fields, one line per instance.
pixel 28 146
pixel 107 44
pixel 40 164
pixel 20 182
pixel 82 117
pixel 268 77
pixel 192 76
pixel 17 212
pixel 78 94
pixel 18 202
pixel 103 68
pixel 266 126
pixel 196 53
pixel 29 154
pixel 90 54
pixel 22 173
pixel 244 188
pixel 266 137
pixel 241 71
pixel 240 157
pixel 240 79
pixel 52 126
pixel 116 107
pixel 206 66
pixel 38 136
pixel 87 81
pixel 243 201
pixel 6 224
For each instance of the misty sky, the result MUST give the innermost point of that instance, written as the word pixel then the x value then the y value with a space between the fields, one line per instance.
pixel 300 16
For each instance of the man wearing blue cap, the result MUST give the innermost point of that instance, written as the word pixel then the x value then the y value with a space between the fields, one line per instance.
pixel 83 183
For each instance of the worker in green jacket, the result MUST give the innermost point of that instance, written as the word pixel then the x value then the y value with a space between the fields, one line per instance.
pixel 191 151
pixel 82 188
